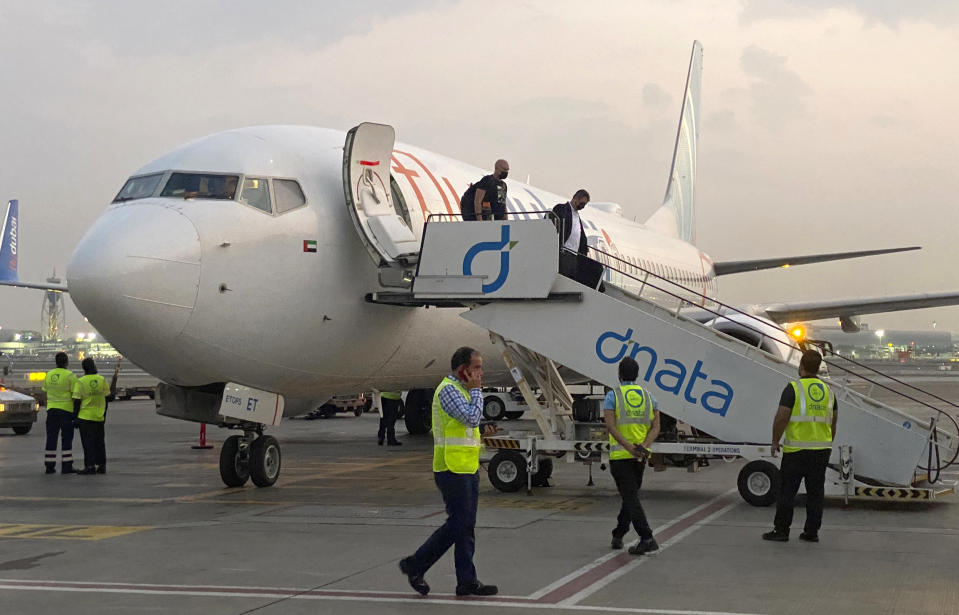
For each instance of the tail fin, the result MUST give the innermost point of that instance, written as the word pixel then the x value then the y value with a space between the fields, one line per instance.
pixel 8 247
pixel 676 217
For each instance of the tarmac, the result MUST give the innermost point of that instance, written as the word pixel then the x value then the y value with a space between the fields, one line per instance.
pixel 159 533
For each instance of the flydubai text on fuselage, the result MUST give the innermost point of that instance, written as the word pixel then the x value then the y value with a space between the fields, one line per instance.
pixel 198 291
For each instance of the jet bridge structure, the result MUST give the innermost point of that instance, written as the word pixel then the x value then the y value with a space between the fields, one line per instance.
pixel 516 282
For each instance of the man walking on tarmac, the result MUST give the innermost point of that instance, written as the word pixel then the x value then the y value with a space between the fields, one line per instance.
pixel 807 416
pixel 457 410
pixel 389 409
pixel 632 419
pixel 58 385
pixel 90 397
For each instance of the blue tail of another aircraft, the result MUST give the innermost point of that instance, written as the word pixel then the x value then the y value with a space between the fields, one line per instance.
pixel 8 247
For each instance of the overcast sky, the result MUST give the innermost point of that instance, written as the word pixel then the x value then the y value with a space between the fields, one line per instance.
pixel 826 126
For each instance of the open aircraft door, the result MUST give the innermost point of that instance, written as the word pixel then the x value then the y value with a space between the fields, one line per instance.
pixel 366 183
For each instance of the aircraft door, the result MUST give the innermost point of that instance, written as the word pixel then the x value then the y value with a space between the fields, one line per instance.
pixel 369 196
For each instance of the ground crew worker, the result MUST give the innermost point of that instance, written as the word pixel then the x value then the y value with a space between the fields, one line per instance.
pixel 807 417
pixel 632 419
pixel 457 410
pixel 390 402
pixel 58 385
pixel 90 398
pixel 490 189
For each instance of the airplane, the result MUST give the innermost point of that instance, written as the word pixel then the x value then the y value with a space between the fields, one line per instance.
pixel 245 258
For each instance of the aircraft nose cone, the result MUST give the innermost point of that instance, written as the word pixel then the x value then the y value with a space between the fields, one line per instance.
pixel 136 272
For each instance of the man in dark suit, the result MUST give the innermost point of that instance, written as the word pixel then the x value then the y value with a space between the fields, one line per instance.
pixel 573 260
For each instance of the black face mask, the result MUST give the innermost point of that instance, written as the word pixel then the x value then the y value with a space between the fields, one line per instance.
pixel 504 174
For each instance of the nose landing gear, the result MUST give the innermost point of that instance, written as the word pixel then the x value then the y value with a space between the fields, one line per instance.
pixel 250 456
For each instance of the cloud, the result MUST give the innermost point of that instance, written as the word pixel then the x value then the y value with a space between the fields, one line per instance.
pixel 891 13
pixel 655 97
pixel 778 94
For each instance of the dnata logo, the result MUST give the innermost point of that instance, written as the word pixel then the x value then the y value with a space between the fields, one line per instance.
pixel 816 392
pixel 503 246
pixel 671 377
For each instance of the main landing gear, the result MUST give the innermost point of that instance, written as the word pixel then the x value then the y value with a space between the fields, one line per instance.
pixel 250 456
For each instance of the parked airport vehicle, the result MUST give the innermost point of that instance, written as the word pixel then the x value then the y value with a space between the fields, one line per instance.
pixel 18 411
pixel 260 260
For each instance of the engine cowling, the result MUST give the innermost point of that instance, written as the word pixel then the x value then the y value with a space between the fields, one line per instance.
pixel 755 331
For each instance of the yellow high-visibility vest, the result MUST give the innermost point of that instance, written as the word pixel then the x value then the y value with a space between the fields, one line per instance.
pixel 58 385
pixel 810 425
pixel 92 392
pixel 634 415
pixel 456 447
pixel 391 395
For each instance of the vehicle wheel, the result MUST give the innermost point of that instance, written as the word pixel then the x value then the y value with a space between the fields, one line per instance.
pixel 368 404
pixel 514 414
pixel 234 470
pixel 494 409
pixel 357 410
pixel 22 430
pixel 265 461
pixel 507 471
pixel 419 411
pixel 759 483
pixel 541 476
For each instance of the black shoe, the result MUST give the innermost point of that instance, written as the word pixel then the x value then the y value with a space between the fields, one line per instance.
pixel 86 471
pixel 776 536
pixel 51 469
pixel 476 589
pixel 101 469
pixel 809 537
pixel 394 443
pixel 67 468
pixel 646 545
pixel 616 543
pixel 417 582
pixel 379 441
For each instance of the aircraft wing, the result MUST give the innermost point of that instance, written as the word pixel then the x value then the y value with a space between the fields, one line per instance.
pixel 815 310
pixel 56 287
pixel 728 267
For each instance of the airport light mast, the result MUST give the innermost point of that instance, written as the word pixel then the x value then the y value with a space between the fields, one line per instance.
pixel 53 313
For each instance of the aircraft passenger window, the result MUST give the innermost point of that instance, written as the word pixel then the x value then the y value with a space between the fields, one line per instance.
pixel 256 192
pixel 138 187
pixel 288 195
pixel 201 186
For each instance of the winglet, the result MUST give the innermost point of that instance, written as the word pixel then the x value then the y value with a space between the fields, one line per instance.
pixel 8 247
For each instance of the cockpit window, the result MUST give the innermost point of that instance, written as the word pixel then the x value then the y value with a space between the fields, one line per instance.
pixel 256 192
pixel 138 187
pixel 201 186
pixel 288 195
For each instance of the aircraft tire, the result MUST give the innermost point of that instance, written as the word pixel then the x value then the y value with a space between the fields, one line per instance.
pixel 494 409
pixel 265 461
pixel 418 416
pixel 22 430
pixel 234 471
pixel 507 471
pixel 759 483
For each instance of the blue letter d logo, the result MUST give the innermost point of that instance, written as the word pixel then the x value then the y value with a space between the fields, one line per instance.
pixel 491 246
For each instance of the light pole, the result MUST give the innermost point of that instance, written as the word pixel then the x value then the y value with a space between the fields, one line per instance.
pixel 879 334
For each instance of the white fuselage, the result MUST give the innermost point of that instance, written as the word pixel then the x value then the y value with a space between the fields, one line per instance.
pixel 199 291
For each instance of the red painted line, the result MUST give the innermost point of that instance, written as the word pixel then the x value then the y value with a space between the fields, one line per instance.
pixel 429 174
pixel 456 197
pixel 577 584
pixel 370 163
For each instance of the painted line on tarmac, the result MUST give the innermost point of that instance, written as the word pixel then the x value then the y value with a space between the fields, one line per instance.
pixel 589 579
pixel 67 532
pixel 342 595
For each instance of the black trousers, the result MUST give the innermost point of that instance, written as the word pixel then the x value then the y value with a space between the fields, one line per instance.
pixel 628 474
pixel 808 465
pixel 391 409
pixel 461 496
pixel 59 429
pixel 93 437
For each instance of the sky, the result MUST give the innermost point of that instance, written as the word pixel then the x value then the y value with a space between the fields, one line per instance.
pixel 827 125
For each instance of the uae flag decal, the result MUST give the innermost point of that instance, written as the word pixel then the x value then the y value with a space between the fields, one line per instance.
pixel 309 245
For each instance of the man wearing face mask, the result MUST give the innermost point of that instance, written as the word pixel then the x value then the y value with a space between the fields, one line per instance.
pixel 569 223
pixel 491 189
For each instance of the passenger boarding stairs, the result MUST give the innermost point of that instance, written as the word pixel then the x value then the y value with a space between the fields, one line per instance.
pixel 508 274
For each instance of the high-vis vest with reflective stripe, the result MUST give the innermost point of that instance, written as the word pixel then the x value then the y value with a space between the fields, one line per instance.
pixel 456 447
pixel 391 395
pixel 810 425
pixel 92 392
pixel 634 415
pixel 58 386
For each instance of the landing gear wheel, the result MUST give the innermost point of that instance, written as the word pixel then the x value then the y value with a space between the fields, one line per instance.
pixel 541 476
pixel 419 411
pixel 22 430
pixel 234 469
pixel 759 483
pixel 494 409
pixel 507 471
pixel 265 461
